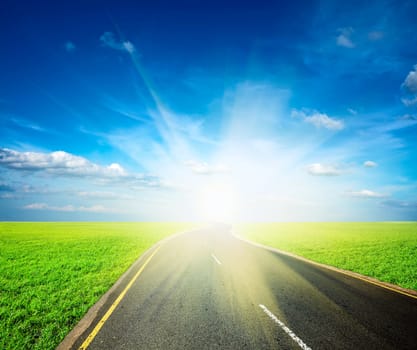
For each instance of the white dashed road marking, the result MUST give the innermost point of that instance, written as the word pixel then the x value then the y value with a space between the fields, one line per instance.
pixel 285 328
pixel 215 259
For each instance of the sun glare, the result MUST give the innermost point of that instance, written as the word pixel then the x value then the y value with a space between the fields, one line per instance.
pixel 217 203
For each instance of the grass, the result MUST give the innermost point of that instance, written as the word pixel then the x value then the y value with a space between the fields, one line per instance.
pixel 52 273
pixel 386 251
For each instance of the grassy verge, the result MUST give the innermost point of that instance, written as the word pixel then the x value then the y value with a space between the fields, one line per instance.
pixel 52 273
pixel 386 251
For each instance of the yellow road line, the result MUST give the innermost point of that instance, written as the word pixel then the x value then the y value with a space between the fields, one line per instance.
pixel 100 324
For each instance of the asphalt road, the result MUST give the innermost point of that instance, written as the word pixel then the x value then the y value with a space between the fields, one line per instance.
pixel 209 290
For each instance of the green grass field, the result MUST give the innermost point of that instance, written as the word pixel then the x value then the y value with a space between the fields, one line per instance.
pixel 386 251
pixel 52 273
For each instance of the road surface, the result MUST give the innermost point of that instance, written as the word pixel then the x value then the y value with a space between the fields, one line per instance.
pixel 210 290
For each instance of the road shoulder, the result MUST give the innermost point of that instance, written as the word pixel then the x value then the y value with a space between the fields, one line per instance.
pixel 393 287
pixel 83 328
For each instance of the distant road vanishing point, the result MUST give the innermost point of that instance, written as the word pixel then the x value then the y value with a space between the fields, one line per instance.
pixel 206 289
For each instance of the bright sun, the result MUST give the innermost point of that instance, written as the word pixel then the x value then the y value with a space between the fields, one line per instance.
pixel 217 203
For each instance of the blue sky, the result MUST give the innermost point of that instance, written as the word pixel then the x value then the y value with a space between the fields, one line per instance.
pixel 178 110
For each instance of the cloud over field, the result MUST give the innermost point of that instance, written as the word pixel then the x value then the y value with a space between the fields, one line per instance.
pixel 393 203
pixel 66 164
pixel 319 120
pixel 103 195
pixel 318 169
pixel 69 208
pixel 365 194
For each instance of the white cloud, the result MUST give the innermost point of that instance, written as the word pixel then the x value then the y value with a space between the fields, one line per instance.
pixel 202 168
pixel 36 206
pixel 103 195
pixel 117 169
pixel 408 102
pixel 318 169
pixel 369 164
pixel 410 82
pixel 61 163
pixel 108 40
pixel 69 46
pixel 68 208
pixel 352 111
pixel 410 86
pixel 322 120
pixel 364 194
pixel 344 38
pixel 399 204
pixel 128 46
pixel 58 162
pixel 319 120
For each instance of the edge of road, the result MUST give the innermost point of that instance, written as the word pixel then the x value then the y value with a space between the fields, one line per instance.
pixel 108 298
pixel 392 287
